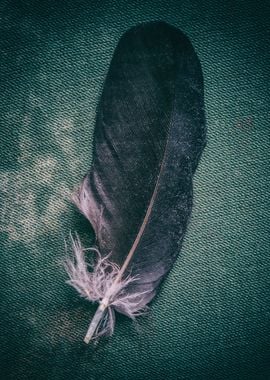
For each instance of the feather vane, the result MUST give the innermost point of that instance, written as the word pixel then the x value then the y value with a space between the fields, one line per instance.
pixel 149 135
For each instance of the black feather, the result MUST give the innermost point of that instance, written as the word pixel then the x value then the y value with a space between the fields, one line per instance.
pixel 149 135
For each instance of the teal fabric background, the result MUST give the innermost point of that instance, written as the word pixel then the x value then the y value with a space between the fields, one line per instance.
pixel 211 317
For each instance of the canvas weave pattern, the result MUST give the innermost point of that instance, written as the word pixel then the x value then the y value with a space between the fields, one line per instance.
pixel 211 318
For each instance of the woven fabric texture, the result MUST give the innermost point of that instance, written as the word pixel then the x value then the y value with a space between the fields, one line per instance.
pixel 211 317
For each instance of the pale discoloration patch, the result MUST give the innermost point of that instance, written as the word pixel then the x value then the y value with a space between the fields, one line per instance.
pixel 36 193
pixel 21 218
pixel 57 204
pixel 45 169
pixel 62 130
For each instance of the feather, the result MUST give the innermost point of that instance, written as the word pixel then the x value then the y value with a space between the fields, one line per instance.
pixel 149 135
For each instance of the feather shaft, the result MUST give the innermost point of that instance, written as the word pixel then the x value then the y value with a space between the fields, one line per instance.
pixel 95 322
pixel 104 303
pixel 140 233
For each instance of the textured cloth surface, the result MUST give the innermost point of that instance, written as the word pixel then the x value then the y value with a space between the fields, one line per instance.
pixel 211 318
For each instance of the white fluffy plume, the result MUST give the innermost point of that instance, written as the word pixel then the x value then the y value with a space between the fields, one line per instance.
pixel 96 282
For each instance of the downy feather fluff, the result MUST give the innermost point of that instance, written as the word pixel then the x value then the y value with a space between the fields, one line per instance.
pixel 149 136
